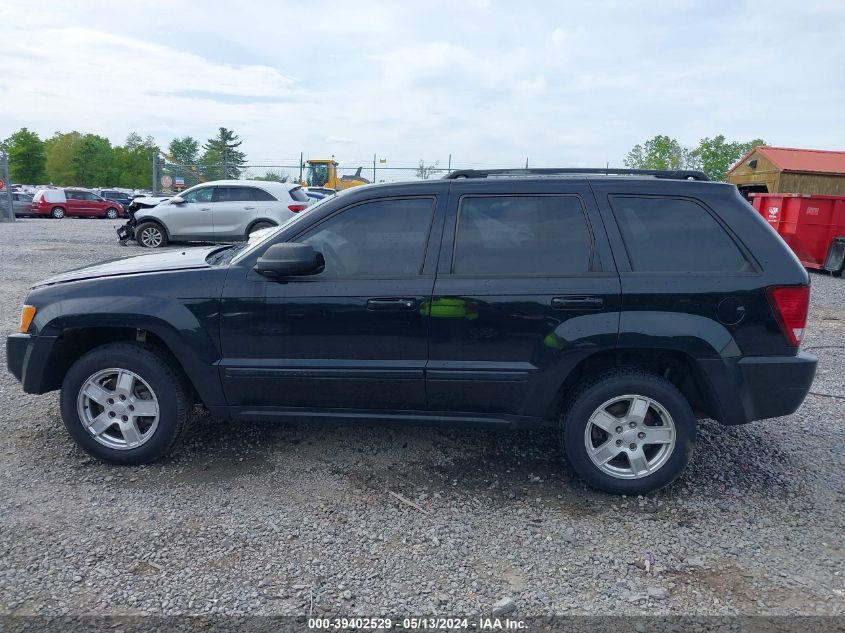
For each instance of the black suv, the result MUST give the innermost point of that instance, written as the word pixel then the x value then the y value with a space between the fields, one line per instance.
pixel 620 305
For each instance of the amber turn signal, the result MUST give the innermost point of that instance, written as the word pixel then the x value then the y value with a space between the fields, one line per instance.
pixel 27 314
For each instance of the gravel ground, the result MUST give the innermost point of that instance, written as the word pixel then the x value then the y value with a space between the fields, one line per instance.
pixel 283 519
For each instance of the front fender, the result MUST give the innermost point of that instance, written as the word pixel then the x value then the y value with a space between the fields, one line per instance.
pixel 188 327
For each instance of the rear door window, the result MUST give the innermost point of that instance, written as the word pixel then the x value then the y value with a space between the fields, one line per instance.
pixel 522 235
pixel 233 194
pixel 675 235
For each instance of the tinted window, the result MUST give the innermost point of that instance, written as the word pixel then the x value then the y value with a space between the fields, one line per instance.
pixel 203 194
pixel 233 194
pixel 298 194
pixel 90 196
pixel 519 235
pixel 262 196
pixel 74 195
pixel 386 238
pixel 674 235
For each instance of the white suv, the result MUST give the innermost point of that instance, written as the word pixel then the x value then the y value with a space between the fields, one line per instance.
pixel 218 211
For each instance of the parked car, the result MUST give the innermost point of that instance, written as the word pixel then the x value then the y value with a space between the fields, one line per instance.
pixel 58 203
pixel 118 196
pixel 218 211
pixel 620 309
pixel 21 203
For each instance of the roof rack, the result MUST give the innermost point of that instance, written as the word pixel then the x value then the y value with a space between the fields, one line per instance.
pixel 670 174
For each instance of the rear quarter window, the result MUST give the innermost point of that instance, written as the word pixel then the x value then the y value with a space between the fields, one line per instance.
pixel 675 235
pixel 298 194
pixel 262 196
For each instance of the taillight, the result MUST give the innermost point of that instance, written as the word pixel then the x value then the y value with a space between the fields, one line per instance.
pixel 296 208
pixel 790 305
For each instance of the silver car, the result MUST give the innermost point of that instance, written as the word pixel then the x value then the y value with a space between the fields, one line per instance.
pixel 21 203
pixel 219 211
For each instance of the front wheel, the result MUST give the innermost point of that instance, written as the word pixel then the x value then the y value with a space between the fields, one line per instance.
pixel 111 213
pixel 628 432
pixel 150 235
pixel 125 404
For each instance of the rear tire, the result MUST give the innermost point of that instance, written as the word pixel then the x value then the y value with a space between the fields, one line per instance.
pixel 259 226
pixel 111 213
pixel 628 431
pixel 150 235
pixel 104 389
pixel 57 213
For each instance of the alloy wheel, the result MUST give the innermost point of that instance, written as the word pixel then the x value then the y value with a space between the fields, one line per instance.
pixel 118 408
pixel 630 436
pixel 151 237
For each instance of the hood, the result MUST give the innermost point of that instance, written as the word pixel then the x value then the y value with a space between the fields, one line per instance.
pixel 186 259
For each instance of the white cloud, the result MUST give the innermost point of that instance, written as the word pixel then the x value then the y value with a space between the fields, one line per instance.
pixel 489 82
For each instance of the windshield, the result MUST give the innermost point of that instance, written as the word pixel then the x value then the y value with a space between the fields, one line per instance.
pixel 239 251
pixel 318 174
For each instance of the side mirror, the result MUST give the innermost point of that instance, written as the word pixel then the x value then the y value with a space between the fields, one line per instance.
pixel 290 259
pixel 177 200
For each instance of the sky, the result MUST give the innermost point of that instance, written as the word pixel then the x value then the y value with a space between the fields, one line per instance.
pixel 491 82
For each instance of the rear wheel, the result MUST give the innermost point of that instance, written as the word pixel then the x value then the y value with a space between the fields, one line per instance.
pixel 258 226
pixel 628 432
pixel 150 235
pixel 111 213
pixel 57 213
pixel 125 404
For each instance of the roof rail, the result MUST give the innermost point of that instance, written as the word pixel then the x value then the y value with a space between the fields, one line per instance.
pixel 671 174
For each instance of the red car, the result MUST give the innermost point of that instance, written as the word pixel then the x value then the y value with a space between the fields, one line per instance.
pixel 57 203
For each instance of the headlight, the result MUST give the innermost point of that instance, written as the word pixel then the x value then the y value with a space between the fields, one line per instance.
pixel 27 314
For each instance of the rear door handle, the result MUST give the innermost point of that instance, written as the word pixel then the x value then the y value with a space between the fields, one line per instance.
pixel 391 303
pixel 206 209
pixel 575 302
pixel 249 208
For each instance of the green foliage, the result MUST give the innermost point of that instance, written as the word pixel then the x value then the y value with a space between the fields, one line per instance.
pixel 133 162
pixel 27 157
pixel 714 156
pixel 92 162
pixel 273 176
pixel 61 150
pixel 184 150
pixel 222 159
pixel 660 152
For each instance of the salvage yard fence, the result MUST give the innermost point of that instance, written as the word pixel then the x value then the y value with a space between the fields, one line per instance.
pixel 7 210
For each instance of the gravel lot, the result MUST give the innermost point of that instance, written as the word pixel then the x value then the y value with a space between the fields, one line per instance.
pixel 282 519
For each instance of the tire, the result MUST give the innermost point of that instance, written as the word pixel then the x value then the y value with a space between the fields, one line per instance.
pixel 259 226
pixel 150 235
pixel 111 213
pixel 616 400
pixel 153 383
pixel 57 213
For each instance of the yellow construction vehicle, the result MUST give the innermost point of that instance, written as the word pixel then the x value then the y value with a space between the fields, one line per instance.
pixel 322 172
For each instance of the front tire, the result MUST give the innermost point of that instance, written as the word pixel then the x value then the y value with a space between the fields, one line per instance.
pixel 111 213
pixel 57 213
pixel 628 432
pixel 125 404
pixel 150 235
pixel 258 226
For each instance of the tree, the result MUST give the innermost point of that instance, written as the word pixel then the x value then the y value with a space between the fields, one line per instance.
pixel 93 162
pixel 714 156
pixel 27 157
pixel 184 150
pixel 424 172
pixel 222 158
pixel 273 176
pixel 61 149
pixel 660 152
pixel 133 162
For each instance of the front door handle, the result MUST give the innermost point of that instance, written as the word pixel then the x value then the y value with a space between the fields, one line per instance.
pixel 249 208
pixel 577 302
pixel 391 303
pixel 206 209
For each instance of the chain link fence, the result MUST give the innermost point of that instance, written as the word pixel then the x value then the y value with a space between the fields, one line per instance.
pixel 7 197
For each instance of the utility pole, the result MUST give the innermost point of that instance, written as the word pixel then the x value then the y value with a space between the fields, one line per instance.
pixel 526 162
pixel 7 187
pixel 301 165
pixel 374 168
pixel 449 168
pixel 225 164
